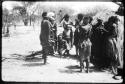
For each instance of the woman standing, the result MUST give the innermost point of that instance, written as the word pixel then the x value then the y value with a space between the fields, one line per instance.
pixel 67 33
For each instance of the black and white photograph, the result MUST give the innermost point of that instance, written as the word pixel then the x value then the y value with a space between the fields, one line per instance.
pixel 62 41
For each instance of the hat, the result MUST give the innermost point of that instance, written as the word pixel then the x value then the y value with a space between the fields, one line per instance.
pixel 51 15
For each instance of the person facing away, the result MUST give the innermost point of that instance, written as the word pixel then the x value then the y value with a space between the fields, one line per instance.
pixel 110 39
pixel 45 35
pixel 78 23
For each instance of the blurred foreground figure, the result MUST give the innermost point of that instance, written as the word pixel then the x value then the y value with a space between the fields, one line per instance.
pixel 97 39
pixel 110 43
pixel 120 41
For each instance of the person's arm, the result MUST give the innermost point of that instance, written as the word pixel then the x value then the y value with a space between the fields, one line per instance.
pixel 64 25
pixel 115 30
pixel 56 29
pixel 90 32
pixel 76 24
pixel 72 38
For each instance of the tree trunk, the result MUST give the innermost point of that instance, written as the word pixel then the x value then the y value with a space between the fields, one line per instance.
pixel 3 30
pixel 7 30
pixel 30 20
pixel 7 34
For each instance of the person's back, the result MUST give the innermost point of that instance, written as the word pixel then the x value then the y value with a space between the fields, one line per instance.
pixel 78 23
pixel 44 35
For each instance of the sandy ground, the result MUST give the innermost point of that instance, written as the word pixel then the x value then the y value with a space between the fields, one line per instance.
pixel 16 68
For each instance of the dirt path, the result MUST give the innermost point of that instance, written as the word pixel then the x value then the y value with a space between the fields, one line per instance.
pixel 16 68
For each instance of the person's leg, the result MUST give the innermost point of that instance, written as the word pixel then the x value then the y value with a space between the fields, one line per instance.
pixel 67 48
pixel 120 72
pixel 45 58
pixel 117 71
pixel 119 75
pixel 87 64
pixel 69 45
pixel 55 46
pixel 44 55
pixel 81 65
pixel 56 43
pixel 76 50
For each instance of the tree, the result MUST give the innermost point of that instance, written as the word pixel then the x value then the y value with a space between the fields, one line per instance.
pixel 4 20
pixel 23 11
pixel 7 19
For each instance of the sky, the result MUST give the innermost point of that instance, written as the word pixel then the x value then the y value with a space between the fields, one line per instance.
pixel 9 4
pixel 77 6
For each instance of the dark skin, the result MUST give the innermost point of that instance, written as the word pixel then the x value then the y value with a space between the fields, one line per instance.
pixel 67 19
pixel 86 21
pixel 77 25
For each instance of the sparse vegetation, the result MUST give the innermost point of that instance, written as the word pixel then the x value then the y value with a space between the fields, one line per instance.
pixel 30 13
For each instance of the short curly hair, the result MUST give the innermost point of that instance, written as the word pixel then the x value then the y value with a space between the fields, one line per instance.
pixel 113 19
pixel 44 14
pixel 80 16
pixel 88 17
pixel 66 16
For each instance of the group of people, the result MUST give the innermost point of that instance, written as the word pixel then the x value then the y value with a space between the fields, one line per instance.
pixel 95 43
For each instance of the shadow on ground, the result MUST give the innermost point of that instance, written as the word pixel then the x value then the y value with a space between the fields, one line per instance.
pixel 37 55
pixel 74 57
pixel 33 64
pixel 31 56
pixel 70 69
pixel 32 59
pixel 76 69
